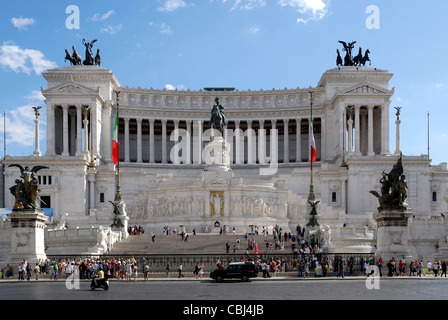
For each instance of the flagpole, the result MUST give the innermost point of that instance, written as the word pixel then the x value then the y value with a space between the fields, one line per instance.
pixel 118 196
pixel 311 195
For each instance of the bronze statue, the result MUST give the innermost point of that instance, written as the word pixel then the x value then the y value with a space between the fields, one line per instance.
pixel 26 191
pixel 348 47
pixel 98 58
pixel 393 189
pixel 117 221
pixel 89 61
pixel 313 214
pixel 76 60
pixel 36 111
pixel 359 60
pixel 339 62
pixel 218 119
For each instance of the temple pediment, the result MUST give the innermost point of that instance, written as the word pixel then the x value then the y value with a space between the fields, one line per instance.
pixel 367 89
pixel 70 88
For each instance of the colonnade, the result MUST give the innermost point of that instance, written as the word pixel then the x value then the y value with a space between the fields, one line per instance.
pixel 366 131
pixel 253 141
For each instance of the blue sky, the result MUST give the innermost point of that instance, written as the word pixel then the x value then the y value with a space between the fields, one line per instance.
pixel 246 44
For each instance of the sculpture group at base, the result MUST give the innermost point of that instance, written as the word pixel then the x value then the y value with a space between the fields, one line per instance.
pixel 26 191
pixel 393 189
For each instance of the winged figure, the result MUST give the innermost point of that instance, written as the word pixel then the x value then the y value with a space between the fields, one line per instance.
pixel 26 191
pixel 89 55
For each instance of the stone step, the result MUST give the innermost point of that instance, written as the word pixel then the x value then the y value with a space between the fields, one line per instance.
pixel 196 244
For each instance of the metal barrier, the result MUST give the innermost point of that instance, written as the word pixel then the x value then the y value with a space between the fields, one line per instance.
pixel 157 262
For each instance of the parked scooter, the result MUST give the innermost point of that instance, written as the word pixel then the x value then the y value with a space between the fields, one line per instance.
pixel 100 283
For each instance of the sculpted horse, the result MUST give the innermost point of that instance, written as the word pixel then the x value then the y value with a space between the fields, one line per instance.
pixel 218 119
pixel 339 61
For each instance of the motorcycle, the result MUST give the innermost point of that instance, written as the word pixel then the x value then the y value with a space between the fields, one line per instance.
pixel 100 283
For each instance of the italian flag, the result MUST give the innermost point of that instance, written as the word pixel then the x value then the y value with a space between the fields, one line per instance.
pixel 115 142
pixel 313 142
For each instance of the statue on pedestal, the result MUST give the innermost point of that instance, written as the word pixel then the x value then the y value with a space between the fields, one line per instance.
pixel 393 189
pixel 26 191
pixel 218 119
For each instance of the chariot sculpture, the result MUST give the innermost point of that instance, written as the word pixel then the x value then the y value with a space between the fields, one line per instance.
pixel 76 60
pixel 349 60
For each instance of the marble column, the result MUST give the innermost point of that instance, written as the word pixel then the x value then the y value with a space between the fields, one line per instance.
pixel 273 144
pixel 175 159
pixel 139 141
pixel 397 148
pixel 199 141
pixel 164 142
pixel 261 143
pixel 357 131
pixel 86 132
pixel 78 130
pixel 298 140
pixel 250 159
pixel 65 152
pixel 370 151
pixel 126 140
pixel 285 140
pixel 350 134
pixel 188 142
pixel 50 130
pixel 237 143
pixel 36 138
pixel 151 141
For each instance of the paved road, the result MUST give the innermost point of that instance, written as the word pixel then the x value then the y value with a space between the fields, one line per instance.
pixel 256 290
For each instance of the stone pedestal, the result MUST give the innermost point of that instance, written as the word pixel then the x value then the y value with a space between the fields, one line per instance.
pixel 217 155
pixel 392 237
pixel 27 236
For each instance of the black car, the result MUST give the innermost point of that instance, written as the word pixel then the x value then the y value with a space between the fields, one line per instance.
pixel 236 270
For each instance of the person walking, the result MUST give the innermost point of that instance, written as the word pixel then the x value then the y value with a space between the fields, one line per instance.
pixel 341 269
pixel 180 270
pixel 146 271
pixel 167 269
pixel 443 269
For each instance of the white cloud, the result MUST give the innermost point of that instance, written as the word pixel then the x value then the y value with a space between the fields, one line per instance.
pixel 312 9
pixel 254 29
pixel 36 95
pixel 102 17
pixel 112 29
pixel 173 5
pixel 23 60
pixel 20 127
pixel 163 28
pixel 246 4
pixel 22 23
pixel 171 87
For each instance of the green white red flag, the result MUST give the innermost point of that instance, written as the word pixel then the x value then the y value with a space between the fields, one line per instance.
pixel 115 142
pixel 313 142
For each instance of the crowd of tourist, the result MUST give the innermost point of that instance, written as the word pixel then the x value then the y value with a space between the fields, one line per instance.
pixel 136 230
pixel 414 268
pixel 304 260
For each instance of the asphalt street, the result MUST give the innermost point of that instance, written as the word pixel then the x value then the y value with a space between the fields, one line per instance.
pixel 190 289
